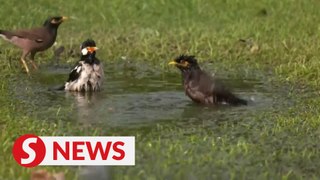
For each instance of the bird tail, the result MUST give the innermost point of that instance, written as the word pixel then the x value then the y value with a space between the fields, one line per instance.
pixel 3 34
pixel 57 88
pixel 237 101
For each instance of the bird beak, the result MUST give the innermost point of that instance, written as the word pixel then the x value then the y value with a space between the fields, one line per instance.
pixel 64 18
pixel 172 63
pixel 92 49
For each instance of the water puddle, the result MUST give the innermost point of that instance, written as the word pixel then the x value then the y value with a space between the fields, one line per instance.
pixel 134 97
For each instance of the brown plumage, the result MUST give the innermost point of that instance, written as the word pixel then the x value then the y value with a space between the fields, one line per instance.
pixel 201 87
pixel 34 40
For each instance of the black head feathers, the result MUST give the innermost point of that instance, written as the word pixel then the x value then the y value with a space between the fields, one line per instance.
pixel 191 59
pixel 88 43
pixel 54 21
pixel 185 62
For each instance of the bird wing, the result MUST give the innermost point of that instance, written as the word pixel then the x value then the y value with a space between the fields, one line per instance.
pixel 220 93
pixel 207 89
pixel 98 68
pixel 210 89
pixel 75 72
pixel 33 34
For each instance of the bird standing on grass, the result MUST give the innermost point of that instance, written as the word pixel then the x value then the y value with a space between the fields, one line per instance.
pixel 88 74
pixel 201 87
pixel 34 40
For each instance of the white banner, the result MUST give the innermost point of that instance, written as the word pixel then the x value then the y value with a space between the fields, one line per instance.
pixel 75 150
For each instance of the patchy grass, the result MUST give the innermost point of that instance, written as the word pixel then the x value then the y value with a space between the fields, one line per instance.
pixel 282 145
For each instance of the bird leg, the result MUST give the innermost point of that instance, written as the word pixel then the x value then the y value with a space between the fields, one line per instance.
pixel 24 54
pixel 25 65
pixel 32 61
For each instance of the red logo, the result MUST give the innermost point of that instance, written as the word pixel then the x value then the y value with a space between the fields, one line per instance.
pixel 29 150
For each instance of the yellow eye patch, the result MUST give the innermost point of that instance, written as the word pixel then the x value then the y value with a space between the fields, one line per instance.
pixel 181 64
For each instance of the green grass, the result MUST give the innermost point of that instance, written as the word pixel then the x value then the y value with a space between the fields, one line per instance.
pixel 283 145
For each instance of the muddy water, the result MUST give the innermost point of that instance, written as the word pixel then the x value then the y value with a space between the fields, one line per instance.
pixel 134 97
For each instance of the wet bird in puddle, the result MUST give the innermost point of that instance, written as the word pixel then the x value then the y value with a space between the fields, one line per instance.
pixel 88 73
pixel 202 87
pixel 34 40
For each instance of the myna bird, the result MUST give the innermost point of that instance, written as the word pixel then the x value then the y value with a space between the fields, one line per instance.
pixel 34 40
pixel 88 73
pixel 200 86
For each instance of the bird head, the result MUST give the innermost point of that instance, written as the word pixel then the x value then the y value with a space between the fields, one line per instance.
pixel 185 62
pixel 54 21
pixel 88 48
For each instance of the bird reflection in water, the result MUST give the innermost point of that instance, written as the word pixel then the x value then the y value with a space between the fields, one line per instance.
pixel 86 104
